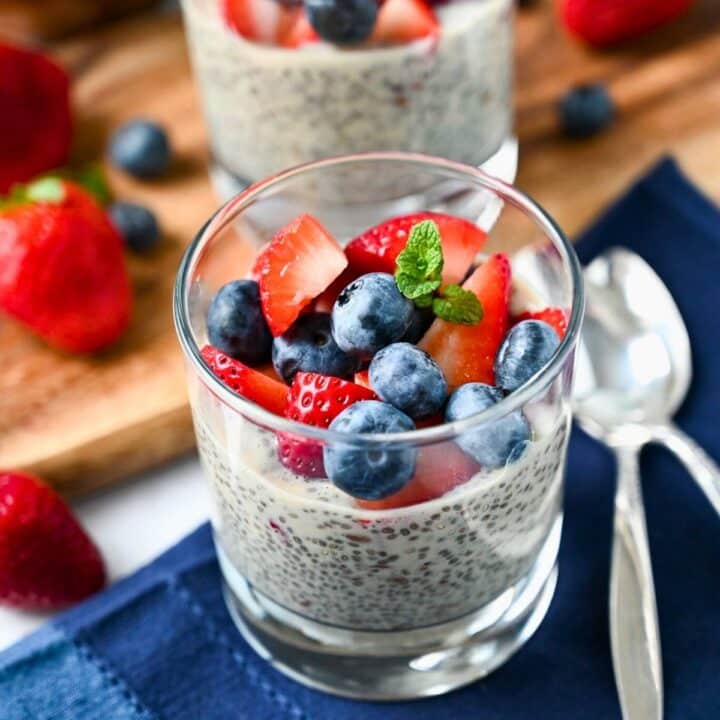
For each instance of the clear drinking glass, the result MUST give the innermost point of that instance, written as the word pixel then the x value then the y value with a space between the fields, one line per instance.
pixel 394 603
pixel 268 108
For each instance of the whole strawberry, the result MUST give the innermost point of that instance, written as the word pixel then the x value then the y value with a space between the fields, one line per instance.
pixel 62 270
pixel 608 22
pixel 46 559
pixel 35 116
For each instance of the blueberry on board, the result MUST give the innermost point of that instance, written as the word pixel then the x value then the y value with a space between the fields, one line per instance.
pixel 309 346
pixel 495 444
pixel 137 225
pixel 141 148
pixel 586 110
pixel 524 351
pixel 370 472
pixel 236 324
pixel 342 21
pixel 369 314
pixel 409 379
pixel 422 319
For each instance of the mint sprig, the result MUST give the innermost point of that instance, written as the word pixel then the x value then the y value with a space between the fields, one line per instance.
pixel 418 274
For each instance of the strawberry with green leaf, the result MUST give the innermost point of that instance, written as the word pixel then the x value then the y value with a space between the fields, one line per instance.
pixel 62 270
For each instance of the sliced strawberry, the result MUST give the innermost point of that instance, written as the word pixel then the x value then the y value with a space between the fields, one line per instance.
pixel 466 353
pixel 325 301
pixel 363 378
pixel 316 400
pixel 402 21
pixel 376 250
pixel 298 264
pixel 300 33
pixel 250 384
pixel 439 469
pixel 263 21
pixel 431 421
pixel 555 317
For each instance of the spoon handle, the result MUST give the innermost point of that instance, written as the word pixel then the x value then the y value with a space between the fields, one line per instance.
pixel 699 464
pixel 634 635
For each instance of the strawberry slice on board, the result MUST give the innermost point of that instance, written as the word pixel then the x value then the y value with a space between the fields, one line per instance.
pixel 263 21
pixel 403 21
pixel 316 400
pixel 466 353
pixel 439 469
pixel 47 560
pixel 245 381
pixel 298 264
pixel 553 316
pixel 376 250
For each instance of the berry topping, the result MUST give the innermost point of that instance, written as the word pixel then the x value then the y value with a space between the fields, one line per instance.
pixel 608 22
pixel 403 21
pixel 62 270
pixel 439 469
pixel 342 21
pixel 495 444
pixel 46 558
pixel 421 320
pixel 369 314
pixel 297 265
pixel 309 346
pixel 141 148
pixel 555 317
pixel 408 378
pixel 36 121
pixel 466 353
pixel 301 33
pixel 251 384
pixel 586 110
pixel 363 378
pixel 137 225
pixel 377 249
pixel 370 473
pixel 264 21
pixel 236 324
pixel 524 351
pixel 315 400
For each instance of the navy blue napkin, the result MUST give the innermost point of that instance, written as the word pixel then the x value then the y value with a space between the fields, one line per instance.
pixel 161 645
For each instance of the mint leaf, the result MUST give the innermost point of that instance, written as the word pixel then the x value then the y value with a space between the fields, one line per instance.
pixel 424 301
pixel 419 266
pixel 457 305
pixel 92 178
pixel 49 189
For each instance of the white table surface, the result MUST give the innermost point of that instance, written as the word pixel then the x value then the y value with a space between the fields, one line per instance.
pixel 131 523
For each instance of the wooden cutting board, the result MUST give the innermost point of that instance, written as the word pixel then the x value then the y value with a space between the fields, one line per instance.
pixel 86 423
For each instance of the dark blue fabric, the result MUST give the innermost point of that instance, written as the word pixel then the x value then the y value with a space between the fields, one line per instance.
pixel 163 635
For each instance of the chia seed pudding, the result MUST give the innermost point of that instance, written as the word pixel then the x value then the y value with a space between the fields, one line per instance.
pixel 310 549
pixel 268 108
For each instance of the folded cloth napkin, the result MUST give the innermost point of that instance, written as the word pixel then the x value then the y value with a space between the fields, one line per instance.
pixel 160 644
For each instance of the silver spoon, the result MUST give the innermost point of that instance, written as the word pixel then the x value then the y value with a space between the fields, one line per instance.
pixel 633 371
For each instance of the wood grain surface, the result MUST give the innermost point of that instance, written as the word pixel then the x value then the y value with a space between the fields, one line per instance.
pixel 86 423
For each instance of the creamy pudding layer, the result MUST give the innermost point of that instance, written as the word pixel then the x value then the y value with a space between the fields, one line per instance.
pixel 269 108
pixel 307 547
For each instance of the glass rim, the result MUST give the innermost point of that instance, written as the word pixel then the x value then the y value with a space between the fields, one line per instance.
pixel 422 436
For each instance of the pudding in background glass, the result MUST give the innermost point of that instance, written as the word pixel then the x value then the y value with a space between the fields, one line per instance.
pixel 446 92
pixel 433 584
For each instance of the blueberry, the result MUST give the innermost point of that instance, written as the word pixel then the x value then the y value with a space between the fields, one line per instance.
pixel 370 473
pixel 421 320
pixel 136 224
pixel 525 350
pixel 308 346
pixel 586 110
pixel 369 314
pixel 236 324
pixel 342 21
pixel 408 378
pixel 495 444
pixel 141 148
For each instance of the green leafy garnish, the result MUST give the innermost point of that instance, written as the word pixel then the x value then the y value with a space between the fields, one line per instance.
pixel 418 274
pixel 457 305
pixel 420 264
pixel 92 178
